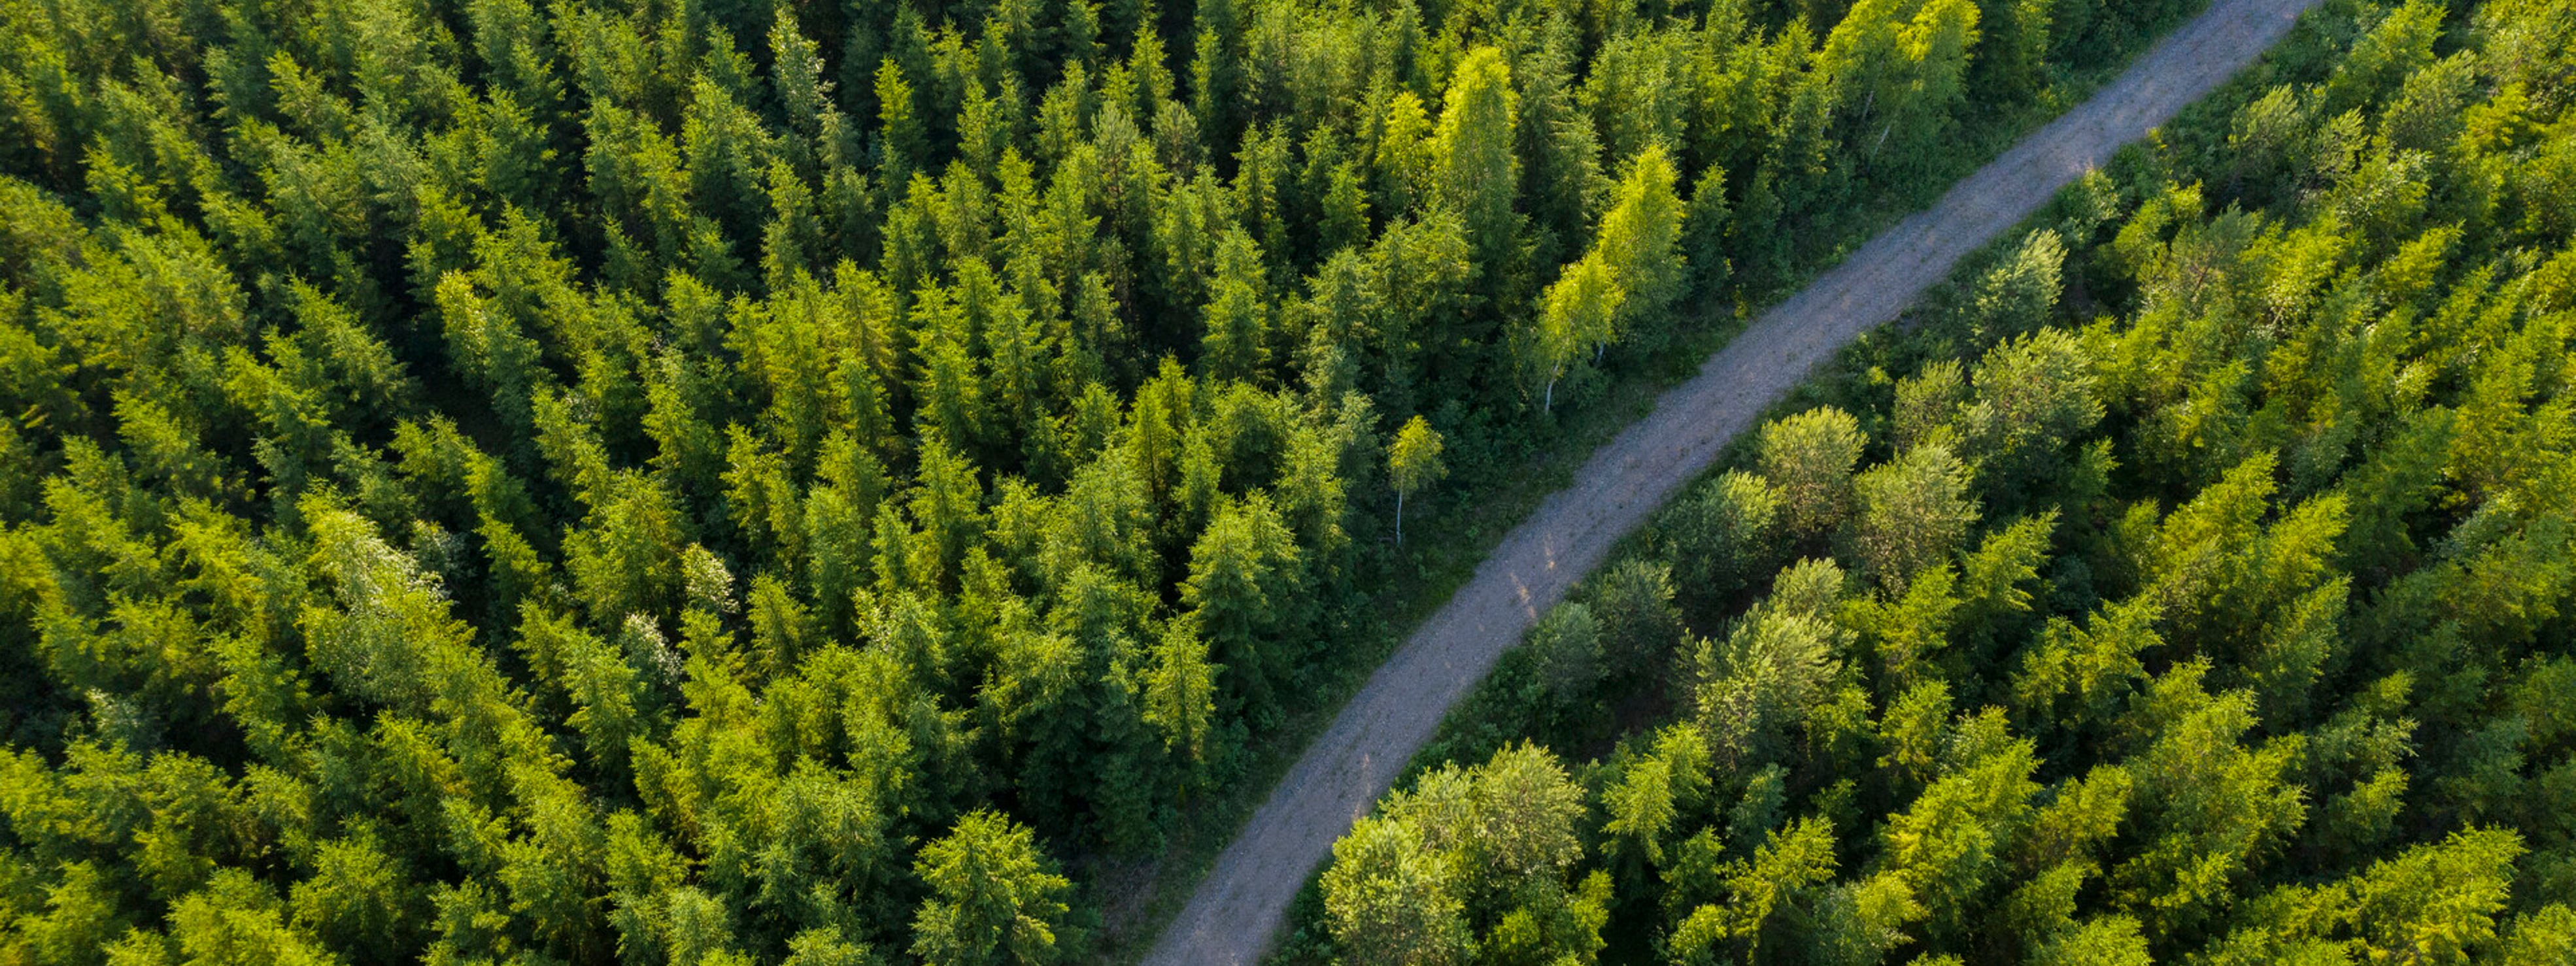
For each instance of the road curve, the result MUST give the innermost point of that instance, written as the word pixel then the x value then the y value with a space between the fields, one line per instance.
pixel 1238 906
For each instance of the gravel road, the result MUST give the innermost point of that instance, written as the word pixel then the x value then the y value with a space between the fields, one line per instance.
pixel 1235 910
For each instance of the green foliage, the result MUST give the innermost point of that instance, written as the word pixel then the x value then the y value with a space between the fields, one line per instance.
pixel 1391 899
pixel 1475 169
pixel 496 481
pixel 1808 459
pixel 1723 536
pixel 1412 463
pixel 1474 863
pixel 1911 512
pixel 993 899
pixel 2187 583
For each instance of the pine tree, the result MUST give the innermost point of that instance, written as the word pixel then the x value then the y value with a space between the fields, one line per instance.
pixel 994 898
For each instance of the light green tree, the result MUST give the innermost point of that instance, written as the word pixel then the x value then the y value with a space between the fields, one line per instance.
pixel 1641 239
pixel 1579 312
pixel 1413 462
pixel 1479 174
pixel 1808 458
pixel 995 899
pixel 1912 513
pixel 1389 899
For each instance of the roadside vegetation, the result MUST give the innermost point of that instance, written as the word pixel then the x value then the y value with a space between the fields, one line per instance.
pixel 2188 580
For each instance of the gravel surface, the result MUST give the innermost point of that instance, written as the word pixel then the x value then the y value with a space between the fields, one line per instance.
pixel 1236 908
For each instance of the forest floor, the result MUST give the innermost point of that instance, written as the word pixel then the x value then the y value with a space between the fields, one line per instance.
pixel 1237 907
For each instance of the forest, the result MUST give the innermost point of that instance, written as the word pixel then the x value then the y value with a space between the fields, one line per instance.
pixel 694 481
pixel 2188 579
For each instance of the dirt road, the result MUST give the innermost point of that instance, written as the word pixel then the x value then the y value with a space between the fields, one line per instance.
pixel 1235 910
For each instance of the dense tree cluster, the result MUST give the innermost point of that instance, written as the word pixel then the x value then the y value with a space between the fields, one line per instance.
pixel 2194 581
pixel 696 481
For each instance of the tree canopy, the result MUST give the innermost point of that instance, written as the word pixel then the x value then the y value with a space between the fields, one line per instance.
pixel 2187 581
pixel 673 483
